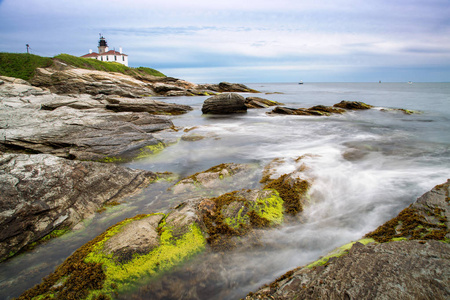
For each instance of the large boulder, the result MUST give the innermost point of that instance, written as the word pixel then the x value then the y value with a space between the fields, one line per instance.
pixel 40 193
pixel 228 103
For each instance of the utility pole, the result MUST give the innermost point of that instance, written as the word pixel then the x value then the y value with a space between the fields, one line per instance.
pixel 28 49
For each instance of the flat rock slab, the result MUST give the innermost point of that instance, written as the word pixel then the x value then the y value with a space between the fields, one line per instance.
pixel 41 192
pixel 397 270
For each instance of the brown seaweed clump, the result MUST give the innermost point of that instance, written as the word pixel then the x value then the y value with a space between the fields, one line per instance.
pixel 220 233
pixel 411 225
pixel 293 191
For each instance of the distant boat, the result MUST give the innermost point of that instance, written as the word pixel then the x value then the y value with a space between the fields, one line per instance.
pixel 409 82
pixel 301 82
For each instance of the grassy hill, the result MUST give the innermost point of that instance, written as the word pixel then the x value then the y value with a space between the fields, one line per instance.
pixel 23 65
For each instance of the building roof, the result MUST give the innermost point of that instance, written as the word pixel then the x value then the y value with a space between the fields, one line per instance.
pixel 93 54
pixel 110 52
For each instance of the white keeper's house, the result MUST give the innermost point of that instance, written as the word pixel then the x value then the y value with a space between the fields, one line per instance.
pixel 104 54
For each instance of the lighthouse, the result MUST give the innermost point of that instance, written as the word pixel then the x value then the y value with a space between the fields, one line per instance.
pixel 104 54
pixel 102 45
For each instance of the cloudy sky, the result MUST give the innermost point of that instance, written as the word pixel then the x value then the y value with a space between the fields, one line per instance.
pixel 245 40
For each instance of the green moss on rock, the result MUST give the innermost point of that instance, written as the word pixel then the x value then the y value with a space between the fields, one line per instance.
pixel 89 273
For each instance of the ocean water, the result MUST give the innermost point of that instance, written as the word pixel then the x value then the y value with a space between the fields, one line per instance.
pixel 365 167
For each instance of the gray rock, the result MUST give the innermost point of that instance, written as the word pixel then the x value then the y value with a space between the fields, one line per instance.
pixel 148 105
pixel 228 103
pixel 137 237
pixel 80 134
pixel 40 193
pixel 397 270
pixel 74 126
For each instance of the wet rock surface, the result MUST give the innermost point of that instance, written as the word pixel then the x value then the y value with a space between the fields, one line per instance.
pixel 228 103
pixel 40 193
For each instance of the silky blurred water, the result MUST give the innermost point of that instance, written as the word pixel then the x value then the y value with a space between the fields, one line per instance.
pixel 365 166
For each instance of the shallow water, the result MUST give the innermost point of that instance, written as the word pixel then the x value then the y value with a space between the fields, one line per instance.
pixel 365 166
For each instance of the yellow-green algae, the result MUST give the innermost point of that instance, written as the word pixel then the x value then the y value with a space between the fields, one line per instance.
pixel 91 274
pixel 264 212
pixel 338 252
pixel 150 150
pixel 121 276
pixel 270 208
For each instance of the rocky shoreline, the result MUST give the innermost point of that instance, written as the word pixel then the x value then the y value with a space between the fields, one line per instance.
pixel 61 136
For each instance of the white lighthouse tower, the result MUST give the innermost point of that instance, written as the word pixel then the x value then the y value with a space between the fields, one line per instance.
pixel 104 54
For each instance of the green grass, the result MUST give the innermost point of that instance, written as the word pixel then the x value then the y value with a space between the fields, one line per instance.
pixel 23 65
pixel 93 64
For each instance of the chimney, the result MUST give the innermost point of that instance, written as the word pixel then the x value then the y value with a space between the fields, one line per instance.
pixel 90 51
pixel 120 50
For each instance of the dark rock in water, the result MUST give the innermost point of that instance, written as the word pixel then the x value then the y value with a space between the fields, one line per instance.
pixel 228 103
pixel 257 102
pixel 226 87
pixel 353 105
pixel 327 109
pixel 41 193
pixel 295 111
pixel 416 267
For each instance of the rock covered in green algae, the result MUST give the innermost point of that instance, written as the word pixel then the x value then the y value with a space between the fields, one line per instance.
pixel 144 247
pixel 114 261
